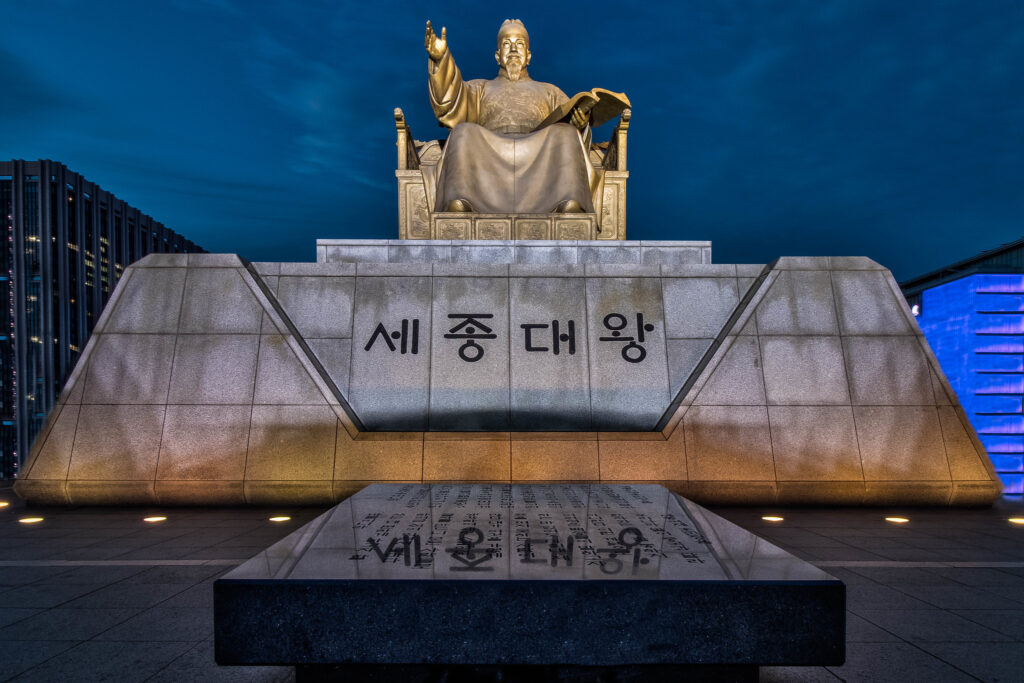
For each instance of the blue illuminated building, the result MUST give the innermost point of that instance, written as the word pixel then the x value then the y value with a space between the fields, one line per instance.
pixel 972 314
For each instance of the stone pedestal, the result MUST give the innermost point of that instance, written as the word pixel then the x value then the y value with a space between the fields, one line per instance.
pixel 210 380
pixel 526 576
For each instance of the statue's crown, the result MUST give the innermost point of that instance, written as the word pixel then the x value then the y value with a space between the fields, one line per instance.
pixel 512 26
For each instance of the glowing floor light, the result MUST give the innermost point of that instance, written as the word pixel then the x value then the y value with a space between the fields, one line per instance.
pixel 282 518
pixel 771 518
pixel 155 519
pixel 897 520
pixel 30 520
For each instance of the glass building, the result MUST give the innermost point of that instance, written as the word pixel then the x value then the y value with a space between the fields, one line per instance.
pixel 972 314
pixel 66 243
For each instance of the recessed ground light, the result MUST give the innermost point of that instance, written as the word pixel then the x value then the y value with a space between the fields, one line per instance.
pixel 30 520
pixel 1016 520
pixel 771 518
pixel 282 518
pixel 897 520
pixel 154 519
pixel 3 503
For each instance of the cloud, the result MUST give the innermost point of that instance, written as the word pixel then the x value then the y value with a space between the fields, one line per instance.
pixel 27 94
pixel 322 99
pixel 204 6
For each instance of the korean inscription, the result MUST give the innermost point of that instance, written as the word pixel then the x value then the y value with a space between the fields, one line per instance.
pixel 488 531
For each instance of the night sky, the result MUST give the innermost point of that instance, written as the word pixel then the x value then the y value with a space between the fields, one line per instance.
pixel 887 128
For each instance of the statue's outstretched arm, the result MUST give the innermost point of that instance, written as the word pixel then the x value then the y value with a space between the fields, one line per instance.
pixel 450 97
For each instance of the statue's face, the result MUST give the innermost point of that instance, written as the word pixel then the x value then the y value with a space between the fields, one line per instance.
pixel 513 53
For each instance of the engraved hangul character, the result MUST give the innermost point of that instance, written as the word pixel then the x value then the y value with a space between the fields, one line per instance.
pixel 632 352
pixel 558 337
pixel 408 337
pixel 467 553
pixel 470 351
pixel 628 539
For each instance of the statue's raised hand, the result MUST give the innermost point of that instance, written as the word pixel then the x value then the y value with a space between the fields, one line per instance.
pixel 436 47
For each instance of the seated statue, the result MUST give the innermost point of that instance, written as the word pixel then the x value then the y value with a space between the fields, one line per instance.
pixel 517 146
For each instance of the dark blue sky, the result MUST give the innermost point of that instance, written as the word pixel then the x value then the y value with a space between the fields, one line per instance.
pixel 892 129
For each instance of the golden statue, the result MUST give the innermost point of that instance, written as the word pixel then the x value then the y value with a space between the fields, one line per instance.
pixel 517 146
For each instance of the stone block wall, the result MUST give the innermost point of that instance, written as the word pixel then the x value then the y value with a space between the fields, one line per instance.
pixel 211 380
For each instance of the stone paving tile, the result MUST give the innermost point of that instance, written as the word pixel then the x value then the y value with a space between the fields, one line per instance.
pixel 28 654
pixel 876 544
pixel 1016 571
pixel 19 576
pixel 978 555
pixel 846 554
pixel 234 553
pixel 46 594
pixel 98 575
pixel 931 625
pixel 895 663
pixel 106 661
pixel 189 574
pixel 11 615
pixel 163 623
pixel 988 661
pixel 904 576
pixel 955 597
pixel 796 674
pixel 981 576
pixel 106 551
pixel 163 553
pixel 198 596
pixel 1007 621
pixel 72 624
pixel 128 595
pixel 912 555
pixel 850 577
pixel 933 543
pixel 262 537
pixel 197 664
pixel 1012 596
pixel 860 630
pixel 865 597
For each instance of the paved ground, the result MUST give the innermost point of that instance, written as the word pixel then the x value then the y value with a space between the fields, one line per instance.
pixel 98 594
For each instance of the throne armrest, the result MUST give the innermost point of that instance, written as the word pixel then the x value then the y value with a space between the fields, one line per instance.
pixel 407 159
pixel 615 157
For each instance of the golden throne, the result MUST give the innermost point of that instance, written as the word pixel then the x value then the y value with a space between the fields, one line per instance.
pixel 417 218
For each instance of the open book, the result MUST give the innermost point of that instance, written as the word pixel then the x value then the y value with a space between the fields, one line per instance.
pixel 604 106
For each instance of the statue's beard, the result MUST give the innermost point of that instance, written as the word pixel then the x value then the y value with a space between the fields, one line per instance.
pixel 513 69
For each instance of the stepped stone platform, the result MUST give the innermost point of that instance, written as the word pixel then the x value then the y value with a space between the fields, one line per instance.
pixel 211 380
pixel 536 252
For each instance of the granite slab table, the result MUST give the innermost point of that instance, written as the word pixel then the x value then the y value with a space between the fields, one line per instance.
pixel 506 581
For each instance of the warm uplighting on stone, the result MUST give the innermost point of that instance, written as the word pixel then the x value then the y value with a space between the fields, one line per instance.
pixel 30 520
pixel 897 520
pixel 281 518
pixel 153 520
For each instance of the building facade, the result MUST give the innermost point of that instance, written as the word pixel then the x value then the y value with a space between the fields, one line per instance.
pixel 66 243
pixel 972 314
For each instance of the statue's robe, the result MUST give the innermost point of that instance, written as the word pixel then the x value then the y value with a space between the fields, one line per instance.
pixel 492 159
